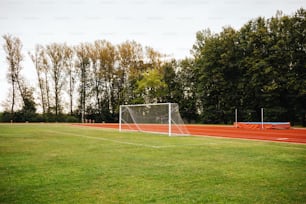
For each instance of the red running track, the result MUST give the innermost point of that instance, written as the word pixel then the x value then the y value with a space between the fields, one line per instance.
pixel 295 135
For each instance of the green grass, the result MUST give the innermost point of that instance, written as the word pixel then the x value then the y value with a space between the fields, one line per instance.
pixel 57 163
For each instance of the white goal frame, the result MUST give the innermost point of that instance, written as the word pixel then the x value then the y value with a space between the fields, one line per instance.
pixel 170 121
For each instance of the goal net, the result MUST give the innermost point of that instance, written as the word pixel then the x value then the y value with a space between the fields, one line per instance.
pixel 158 118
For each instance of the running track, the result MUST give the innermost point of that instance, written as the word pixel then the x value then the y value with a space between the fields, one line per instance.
pixel 294 135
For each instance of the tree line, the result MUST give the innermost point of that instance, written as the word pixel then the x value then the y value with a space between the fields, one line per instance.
pixel 261 65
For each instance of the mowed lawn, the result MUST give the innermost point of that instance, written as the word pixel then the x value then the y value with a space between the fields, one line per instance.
pixel 58 163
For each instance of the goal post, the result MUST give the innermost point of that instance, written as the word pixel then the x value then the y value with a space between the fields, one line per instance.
pixel 162 118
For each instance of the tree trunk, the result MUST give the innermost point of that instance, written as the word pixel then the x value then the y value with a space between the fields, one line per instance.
pixel 71 94
pixel 13 97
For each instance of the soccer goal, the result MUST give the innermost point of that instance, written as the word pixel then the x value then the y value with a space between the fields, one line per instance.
pixel 162 118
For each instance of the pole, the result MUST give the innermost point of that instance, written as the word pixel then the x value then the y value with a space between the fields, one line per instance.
pixel 120 115
pixel 262 118
pixel 236 118
pixel 169 118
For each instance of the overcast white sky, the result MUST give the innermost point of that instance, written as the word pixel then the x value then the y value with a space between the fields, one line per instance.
pixel 169 26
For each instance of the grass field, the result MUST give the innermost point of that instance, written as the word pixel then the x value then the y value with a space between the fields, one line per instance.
pixel 41 163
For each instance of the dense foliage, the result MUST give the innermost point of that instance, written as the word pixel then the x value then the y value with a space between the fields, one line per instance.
pixel 261 65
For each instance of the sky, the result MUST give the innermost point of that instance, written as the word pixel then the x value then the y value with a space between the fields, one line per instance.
pixel 169 26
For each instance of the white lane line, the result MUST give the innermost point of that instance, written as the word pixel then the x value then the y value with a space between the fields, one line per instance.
pixel 282 138
pixel 105 139
pixel 128 143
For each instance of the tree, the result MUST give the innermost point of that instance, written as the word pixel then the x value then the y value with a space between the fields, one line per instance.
pixel 130 60
pixel 148 78
pixel 152 87
pixel 28 110
pixel 297 67
pixel 45 75
pixel 14 57
pixel 56 65
pixel 261 65
pixel 70 72
pixel 106 76
pixel 210 76
pixel 83 70
pixel 38 61
pixel 185 89
pixel 173 91
pixel 153 58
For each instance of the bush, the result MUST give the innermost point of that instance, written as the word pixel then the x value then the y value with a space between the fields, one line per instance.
pixel 21 116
